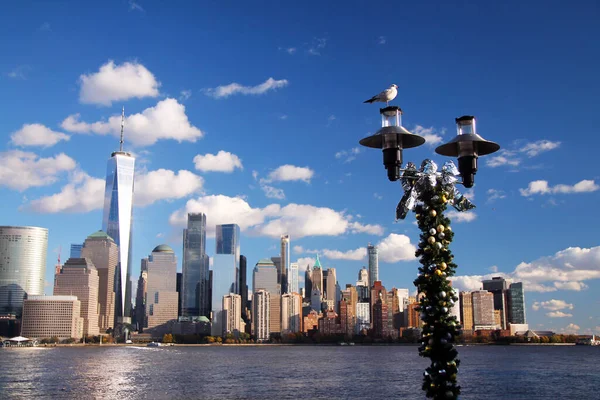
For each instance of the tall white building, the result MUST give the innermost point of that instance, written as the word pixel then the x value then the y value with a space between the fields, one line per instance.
pixel 285 263
pixel 232 314
pixel 293 286
pixel 117 219
pixel 161 287
pixel 261 315
pixel 363 316
pixel 291 313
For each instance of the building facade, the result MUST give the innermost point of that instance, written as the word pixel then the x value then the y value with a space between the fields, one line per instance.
pixel 261 317
pixel 373 264
pixel 292 276
pixel 79 278
pixel 23 251
pixel 466 310
pixel 195 267
pixel 76 250
pixel 291 313
pixel 516 304
pixel 161 295
pixel 308 282
pixel 102 250
pixel 363 317
pixel 498 286
pixel 285 264
pixel 224 282
pixel 117 222
pixel 232 315
pixel 483 310
pixel 48 316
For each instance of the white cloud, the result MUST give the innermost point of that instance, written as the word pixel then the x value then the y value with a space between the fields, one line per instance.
pixel 558 314
pixel 223 161
pixel 377 196
pixel 84 193
pixel 357 227
pixel 185 95
pixel 298 249
pixel 565 270
pixel 348 155
pixel 298 220
pixel 461 216
pixel 396 248
pixel 225 91
pixel 535 148
pixel 542 187
pixel 272 192
pixel 357 254
pixel 552 305
pixel 381 40
pixel 19 72
pixel 21 170
pixel 571 328
pixel 133 6
pixel 37 135
pixel 304 262
pixel 286 173
pixel 503 158
pixel 117 82
pixel 165 184
pixel 166 120
pixel 495 194
pixel 430 134
pixel 317 45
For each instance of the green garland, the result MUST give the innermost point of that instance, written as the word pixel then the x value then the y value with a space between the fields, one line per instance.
pixel 439 327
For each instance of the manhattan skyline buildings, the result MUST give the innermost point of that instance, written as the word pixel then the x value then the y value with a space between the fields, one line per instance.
pixel 195 267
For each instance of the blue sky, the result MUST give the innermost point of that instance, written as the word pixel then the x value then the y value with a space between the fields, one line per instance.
pixel 253 114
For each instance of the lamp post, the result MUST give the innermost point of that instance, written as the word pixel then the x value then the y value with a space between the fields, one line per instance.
pixel 427 192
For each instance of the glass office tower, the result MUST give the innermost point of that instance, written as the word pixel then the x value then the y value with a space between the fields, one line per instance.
pixel 195 279
pixel 117 221
pixel 373 264
pixel 23 251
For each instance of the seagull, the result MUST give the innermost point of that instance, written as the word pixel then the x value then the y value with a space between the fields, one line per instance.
pixel 387 95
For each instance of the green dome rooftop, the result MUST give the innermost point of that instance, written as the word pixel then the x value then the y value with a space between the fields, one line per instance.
pixel 265 261
pixel 163 248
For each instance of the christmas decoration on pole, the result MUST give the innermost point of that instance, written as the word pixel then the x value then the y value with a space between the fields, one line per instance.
pixel 427 192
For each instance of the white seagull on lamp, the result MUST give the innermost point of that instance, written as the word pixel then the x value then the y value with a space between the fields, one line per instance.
pixel 387 95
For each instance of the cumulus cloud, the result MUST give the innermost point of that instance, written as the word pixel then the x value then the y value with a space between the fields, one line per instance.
pixel 565 270
pixel 552 305
pixel 272 192
pixel 36 135
pixel 298 220
pixel 221 92
pixel 513 157
pixel 503 158
pixel 21 170
pixel 223 161
pixel 461 216
pixel 542 187
pixel 571 329
pixel 166 120
pixel 558 314
pixel 541 146
pixel 431 135
pixel 185 95
pixel 286 173
pixel 117 82
pixel 304 262
pixel 84 193
pixel 347 155
pixel 495 194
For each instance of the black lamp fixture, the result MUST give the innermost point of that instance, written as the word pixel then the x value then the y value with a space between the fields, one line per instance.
pixel 392 138
pixel 467 146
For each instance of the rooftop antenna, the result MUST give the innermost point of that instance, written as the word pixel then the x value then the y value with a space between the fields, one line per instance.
pixel 122 126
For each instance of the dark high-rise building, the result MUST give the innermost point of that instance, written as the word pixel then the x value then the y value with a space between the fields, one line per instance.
pixel 373 264
pixel 498 286
pixel 379 310
pixel 308 282
pixel 244 287
pixel 178 288
pixel 516 303
pixel 194 280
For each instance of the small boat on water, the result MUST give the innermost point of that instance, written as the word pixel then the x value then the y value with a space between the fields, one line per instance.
pixel 153 344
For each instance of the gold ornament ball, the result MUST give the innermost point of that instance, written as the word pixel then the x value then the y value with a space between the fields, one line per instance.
pixel 433 213
pixel 443 265
pixel 417 216
pixel 440 228
pixel 448 228
pixel 444 199
pixel 438 272
pixel 431 240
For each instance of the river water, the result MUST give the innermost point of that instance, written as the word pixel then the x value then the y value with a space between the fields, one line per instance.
pixel 292 372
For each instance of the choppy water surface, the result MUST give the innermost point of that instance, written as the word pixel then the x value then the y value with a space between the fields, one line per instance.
pixel 307 372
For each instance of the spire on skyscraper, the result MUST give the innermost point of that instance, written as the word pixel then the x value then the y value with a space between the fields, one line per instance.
pixel 317 262
pixel 122 127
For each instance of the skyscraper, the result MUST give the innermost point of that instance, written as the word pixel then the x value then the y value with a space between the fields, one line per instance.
pixel 232 314
pixel 224 282
pixel 285 263
pixel 76 250
pixel 228 242
pixel 308 282
pixel 79 277
pixel 498 286
pixel 362 285
pixel 264 277
pixel 117 219
pixel 161 296
pixel 243 285
pixel 373 264
pixel 483 310
pixel 140 297
pixel 23 251
pixel 466 310
pixel 516 303
pixel 379 310
pixel 331 283
pixel 195 268
pixel 104 254
pixel 261 317
pixel 293 278
pixel 317 277
pixel 291 313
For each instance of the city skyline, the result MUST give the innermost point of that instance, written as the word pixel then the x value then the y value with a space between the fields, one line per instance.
pixel 200 136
